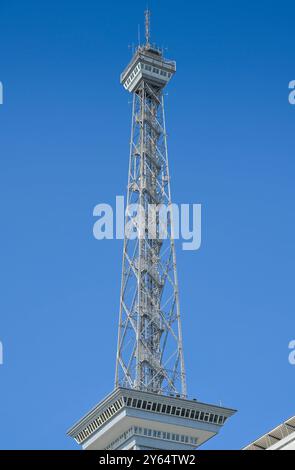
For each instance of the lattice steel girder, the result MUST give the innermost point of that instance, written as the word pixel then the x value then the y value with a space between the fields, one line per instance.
pixel 150 352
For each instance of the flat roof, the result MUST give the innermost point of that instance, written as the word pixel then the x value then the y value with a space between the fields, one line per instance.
pixel 274 436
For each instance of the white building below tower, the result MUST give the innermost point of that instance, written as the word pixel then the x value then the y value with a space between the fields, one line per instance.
pixel 280 438
pixel 135 420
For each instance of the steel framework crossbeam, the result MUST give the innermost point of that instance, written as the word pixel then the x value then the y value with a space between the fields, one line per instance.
pixel 149 352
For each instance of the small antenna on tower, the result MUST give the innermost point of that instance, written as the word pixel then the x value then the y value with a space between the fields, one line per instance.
pixel 147 14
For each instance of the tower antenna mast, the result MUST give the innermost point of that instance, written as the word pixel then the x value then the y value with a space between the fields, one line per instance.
pixel 147 26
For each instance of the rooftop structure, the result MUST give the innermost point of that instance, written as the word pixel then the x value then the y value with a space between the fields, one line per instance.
pixel 281 437
pixel 148 408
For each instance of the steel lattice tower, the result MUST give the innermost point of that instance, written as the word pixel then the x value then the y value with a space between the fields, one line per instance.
pixel 148 408
pixel 150 353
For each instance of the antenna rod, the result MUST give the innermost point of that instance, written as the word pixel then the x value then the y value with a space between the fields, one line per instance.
pixel 147 26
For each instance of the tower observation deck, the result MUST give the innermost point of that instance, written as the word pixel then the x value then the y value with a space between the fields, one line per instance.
pixel 149 408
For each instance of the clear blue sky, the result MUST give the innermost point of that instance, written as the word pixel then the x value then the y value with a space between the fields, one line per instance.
pixel 64 135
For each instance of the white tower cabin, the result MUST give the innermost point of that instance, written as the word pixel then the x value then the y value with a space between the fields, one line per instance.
pixel 149 408
pixel 148 65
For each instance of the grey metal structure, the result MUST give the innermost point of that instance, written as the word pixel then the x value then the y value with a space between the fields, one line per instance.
pixel 150 352
pixel 148 408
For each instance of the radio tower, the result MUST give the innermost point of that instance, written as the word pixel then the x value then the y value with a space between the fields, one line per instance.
pixel 148 408
pixel 150 354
